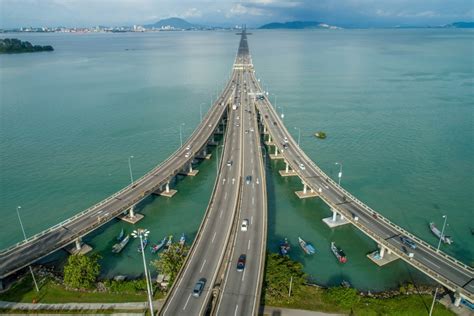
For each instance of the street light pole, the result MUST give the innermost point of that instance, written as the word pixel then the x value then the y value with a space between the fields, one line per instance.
pixel 130 169
pixel 282 115
pixel 299 135
pixel 144 233
pixel 339 175
pixel 437 249
pixel 24 235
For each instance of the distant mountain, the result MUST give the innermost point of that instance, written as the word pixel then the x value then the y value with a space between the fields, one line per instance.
pixel 297 25
pixel 460 25
pixel 172 23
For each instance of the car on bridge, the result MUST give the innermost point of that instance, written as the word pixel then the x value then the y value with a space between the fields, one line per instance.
pixel 407 241
pixel 241 262
pixel 248 179
pixel 187 155
pixel 197 290
pixel 245 225
pixel 302 167
pixel 229 163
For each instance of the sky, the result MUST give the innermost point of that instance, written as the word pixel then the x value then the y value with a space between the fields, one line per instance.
pixel 346 13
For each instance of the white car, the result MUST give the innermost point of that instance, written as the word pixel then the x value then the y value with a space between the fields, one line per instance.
pixel 285 140
pixel 245 225
pixel 188 147
pixel 251 129
pixel 302 167
pixel 187 155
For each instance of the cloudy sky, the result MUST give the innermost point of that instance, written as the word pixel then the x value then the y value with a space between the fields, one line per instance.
pixel 362 13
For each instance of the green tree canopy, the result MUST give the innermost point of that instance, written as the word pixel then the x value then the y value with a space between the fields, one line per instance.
pixel 344 297
pixel 278 272
pixel 171 260
pixel 81 271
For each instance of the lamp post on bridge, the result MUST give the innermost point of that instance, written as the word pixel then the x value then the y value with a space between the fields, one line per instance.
pixel 339 175
pixel 200 110
pixel 437 249
pixel 24 235
pixel 299 135
pixel 130 168
pixel 282 115
pixel 143 233
pixel 181 134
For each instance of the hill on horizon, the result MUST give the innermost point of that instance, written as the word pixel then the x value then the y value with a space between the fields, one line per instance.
pixel 297 25
pixel 176 23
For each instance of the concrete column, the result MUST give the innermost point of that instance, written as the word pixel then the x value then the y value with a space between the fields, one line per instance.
pixel 276 150
pixel 382 251
pixel 204 151
pixel 342 216
pixel 167 189
pixel 457 300
pixel 305 187
pixel 264 129
pixel 78 244
pixel 190 167
pixel 287 167
pixel 269 138
pixel 389 251
pixel 334 216
pixel 131 212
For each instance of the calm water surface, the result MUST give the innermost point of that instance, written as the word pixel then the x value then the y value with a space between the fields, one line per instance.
pixel 397 106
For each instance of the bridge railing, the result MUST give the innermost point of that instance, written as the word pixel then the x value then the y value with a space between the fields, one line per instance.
pixel 357 201
pixel 202 125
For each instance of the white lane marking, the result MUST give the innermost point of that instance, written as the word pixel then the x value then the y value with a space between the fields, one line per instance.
pixel 251 161
pixel 213 237
pixel 220 216
pixel 236 308
pixel 186 302
pixel 243 276
pixel 251 219
pixel 253 200
pixel 225 196
pixel 248 247
pixel 202 267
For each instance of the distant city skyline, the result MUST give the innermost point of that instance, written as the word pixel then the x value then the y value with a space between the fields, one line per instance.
pixel 347 13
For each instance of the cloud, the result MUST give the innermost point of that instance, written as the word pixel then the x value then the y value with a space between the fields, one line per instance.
pixel 241 9
pixel 192 13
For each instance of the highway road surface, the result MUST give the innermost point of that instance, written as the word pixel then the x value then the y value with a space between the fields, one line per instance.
pixel 240 293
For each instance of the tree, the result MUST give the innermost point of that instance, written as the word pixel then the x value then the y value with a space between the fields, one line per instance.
pixel 278 272
pixel 171 260
pixel 81 271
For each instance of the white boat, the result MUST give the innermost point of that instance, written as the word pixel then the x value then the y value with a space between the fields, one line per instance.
pixel 119 246
pixel 307 247
pixel 437 233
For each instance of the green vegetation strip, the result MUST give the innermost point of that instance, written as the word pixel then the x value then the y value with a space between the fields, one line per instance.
pixel 279 269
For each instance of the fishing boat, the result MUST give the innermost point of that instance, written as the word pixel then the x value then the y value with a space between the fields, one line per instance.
pixel 143 245
pixel 156 248
pixel 284 247
pixel 307 247
pixel 340 255
pixel 119 246
pixel 169 242
pixel 445 239
pixel 120 236
pixel 182 240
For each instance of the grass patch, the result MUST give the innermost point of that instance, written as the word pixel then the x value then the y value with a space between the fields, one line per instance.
pixel 51 292
pixel 318 299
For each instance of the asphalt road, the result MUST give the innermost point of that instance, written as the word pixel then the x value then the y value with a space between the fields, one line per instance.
pixel 437 265
pixel 240 292
pixel 23 254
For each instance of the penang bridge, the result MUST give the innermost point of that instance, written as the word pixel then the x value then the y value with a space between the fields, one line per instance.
pixel 248 121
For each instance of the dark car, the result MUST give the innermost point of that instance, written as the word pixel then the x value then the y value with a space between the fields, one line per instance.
pixel 241 263
pixel 266 116
pixel 274 123
pixel 407 241
pixel 248 179
pixel 197 290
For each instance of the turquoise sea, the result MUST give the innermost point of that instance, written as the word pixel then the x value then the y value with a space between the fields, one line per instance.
pixel 397 106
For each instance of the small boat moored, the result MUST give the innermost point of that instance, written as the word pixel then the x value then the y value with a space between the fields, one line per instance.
pixel 340 255
pixel 182 240
pixel 307 247
pixel 169 242
pixel 445 239
pixel 284 247
pixel 119 246
pixel 156 248
pixel 143 245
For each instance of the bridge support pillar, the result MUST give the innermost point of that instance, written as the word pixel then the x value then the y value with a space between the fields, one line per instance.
pixel 131 217
pixel 204 154
pixel 264 128
pixel 305 193
pixel 382 256
pixel 78 247
pixel 287 172
pixel 167 192
pixel 335 220
pixel 188 171
pixel 457 300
